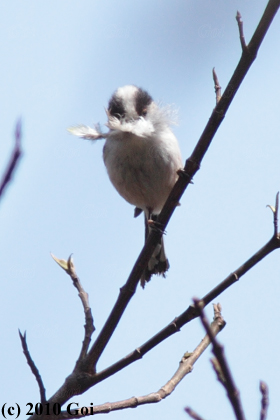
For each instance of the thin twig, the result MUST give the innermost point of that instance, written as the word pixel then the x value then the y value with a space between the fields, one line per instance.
pixel 89 325
pixel 16 154
pixel 193 414
pixel 241 33
pixel 69 267
pixel 264 401
pixel 217 86
pixel 275 214
pixel 33 367
pixel 185 367
pixel 218 351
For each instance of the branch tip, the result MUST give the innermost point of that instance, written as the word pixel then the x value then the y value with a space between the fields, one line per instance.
pixel 32 366
pixel 192 413
pixel 264 400
pixel 22 336
pixel 275 214
pixel 18 132
pixel 277 202
pixel 71 267
pixel 241 33
pixel 217 87
pixel 68 266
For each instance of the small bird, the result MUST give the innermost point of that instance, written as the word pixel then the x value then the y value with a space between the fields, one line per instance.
pixel 142 157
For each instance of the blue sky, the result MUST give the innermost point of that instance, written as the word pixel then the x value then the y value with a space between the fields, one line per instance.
pixel 60 63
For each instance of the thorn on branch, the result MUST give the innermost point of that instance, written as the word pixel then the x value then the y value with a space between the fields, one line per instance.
pixel 16 154
pixel 241 33
pixel 218 89
pixel 33 367
pixel 264 401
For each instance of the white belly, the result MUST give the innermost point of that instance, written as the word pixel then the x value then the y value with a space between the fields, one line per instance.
pixel 143 169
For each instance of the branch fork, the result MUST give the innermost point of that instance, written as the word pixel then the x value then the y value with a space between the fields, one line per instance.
pixel 84 374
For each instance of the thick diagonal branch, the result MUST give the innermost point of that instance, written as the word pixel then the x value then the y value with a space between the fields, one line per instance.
pixel 191 167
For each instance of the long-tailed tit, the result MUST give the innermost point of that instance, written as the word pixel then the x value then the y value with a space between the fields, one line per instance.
pixel 142 157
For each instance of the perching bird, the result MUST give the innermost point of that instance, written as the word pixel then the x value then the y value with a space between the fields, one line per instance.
pixel 142 157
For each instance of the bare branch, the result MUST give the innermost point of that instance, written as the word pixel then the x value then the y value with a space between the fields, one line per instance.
pixel 217 86
pixel 264 401
pixel 191 313
pixel 33 367
pixel 193 414
pixel 191 167
pixel 16 154
pixel 69 268
pixel 79 382
pixel 224 371
pixel 185 367
pixel 138 353
pixel 241 33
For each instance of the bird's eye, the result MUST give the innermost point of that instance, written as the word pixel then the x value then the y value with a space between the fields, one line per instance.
pixel 116 108
pixel 144 112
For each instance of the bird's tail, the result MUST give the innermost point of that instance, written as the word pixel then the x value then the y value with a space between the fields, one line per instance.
pixel 158 263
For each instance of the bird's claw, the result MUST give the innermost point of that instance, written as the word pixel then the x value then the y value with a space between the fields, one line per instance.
pixel 153 224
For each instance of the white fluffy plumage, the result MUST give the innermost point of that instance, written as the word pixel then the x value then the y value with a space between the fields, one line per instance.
pixel 142 157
